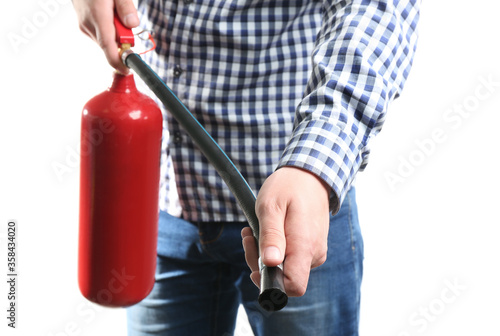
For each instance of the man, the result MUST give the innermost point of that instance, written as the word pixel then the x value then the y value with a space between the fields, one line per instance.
pixel 292 91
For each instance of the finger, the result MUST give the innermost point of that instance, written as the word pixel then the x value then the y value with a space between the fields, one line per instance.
pixel 304 250
pixel 296 271
pixel 272 242
pixel 250 247
pixel 106 37
pixel 246 231
pixel 127 13
pixel 255 277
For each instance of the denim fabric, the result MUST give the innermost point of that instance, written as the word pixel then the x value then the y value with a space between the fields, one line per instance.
pixel 202 278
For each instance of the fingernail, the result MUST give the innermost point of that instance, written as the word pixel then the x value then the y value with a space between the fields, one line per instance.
pixel 131 20
pixel 272 253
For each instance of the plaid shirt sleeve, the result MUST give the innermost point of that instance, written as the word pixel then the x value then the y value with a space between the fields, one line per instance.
pixel 361 59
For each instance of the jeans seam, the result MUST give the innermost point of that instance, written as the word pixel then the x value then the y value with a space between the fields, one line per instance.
pixel 349 220
pixel 353 239
pixel 354 252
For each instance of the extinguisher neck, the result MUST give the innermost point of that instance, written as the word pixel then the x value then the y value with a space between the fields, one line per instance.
pixel 123 83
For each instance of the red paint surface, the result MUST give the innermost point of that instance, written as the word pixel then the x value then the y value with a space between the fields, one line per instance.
pixel 123 34
pixel 119 182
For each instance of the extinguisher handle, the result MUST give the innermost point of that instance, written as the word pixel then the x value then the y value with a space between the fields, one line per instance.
pixel 272 290
pixel 124 35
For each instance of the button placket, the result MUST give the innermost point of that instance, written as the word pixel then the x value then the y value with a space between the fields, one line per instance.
pixel 177 71
pixel 177 137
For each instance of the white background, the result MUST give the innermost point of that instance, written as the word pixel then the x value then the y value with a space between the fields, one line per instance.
pixel 435 228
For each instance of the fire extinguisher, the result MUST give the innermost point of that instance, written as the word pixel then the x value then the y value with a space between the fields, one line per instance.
pixel 119 182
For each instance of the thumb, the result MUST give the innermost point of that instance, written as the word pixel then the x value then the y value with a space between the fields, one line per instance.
pixel 127 13
pixel 272 243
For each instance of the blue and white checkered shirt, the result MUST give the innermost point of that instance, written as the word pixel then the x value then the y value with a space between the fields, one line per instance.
pixel 276 83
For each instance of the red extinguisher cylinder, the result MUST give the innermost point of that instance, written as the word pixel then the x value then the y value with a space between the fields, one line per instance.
pixel 119 183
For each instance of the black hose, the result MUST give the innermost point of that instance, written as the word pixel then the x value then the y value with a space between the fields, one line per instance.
pixel 272 293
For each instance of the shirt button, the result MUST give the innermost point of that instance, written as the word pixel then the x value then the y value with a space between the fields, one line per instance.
pixel 177 71
pixel 177 137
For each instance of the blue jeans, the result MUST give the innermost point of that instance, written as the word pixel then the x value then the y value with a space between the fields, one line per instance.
pixel 202 278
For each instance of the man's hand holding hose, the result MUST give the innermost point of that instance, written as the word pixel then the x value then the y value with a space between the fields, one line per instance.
pixel 292 207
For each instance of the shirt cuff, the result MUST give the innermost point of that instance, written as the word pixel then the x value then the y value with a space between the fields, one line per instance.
pixel 327 151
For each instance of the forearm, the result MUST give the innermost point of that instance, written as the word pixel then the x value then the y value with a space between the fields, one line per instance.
pixel 361 60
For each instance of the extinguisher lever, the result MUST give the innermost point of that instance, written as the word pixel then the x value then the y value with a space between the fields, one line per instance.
pixel 124 35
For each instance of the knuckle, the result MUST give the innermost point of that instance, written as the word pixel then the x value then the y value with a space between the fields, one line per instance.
pixel 271 236
pixel 323 253
pixel 270 231
pixel 268 207
pixel 102 43
pixel 320 260
pixel 82 27
pixel 319 254
pixel 85 25
pixel 106 45
pixel 297 289
pixel 124 4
